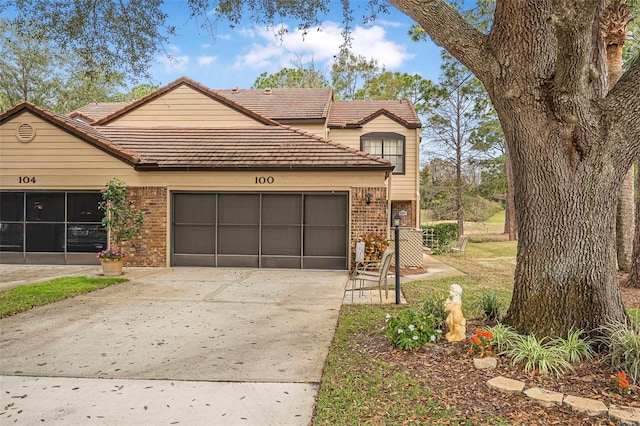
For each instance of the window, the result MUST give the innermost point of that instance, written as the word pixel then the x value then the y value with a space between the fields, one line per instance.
pixel 389 146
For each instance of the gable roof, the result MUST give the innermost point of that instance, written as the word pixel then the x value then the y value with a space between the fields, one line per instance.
pixel 184 81
pixel 97 110
pixel 345 114
pixel 245 148
pixel 75 127
pixel 273 106
pixel 285 105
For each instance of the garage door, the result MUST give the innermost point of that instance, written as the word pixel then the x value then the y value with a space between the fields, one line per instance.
pixel 260 230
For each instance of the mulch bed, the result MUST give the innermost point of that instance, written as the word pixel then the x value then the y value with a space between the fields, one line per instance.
pixel 448 371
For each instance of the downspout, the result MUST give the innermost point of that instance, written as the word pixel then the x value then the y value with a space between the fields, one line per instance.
pixel 418 200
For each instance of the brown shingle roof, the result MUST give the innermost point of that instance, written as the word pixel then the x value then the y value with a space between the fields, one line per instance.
pixel 356 113
pixel 285 105
pixel 246 148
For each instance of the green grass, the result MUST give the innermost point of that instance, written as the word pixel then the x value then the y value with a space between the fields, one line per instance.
pixel 384 394
pixel 493 225
pixel 489 268
pixel 25 297
pixel 497 218
pixel 357 388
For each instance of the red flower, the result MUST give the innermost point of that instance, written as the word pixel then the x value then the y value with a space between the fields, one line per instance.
pixel 475 340
pixel 621 375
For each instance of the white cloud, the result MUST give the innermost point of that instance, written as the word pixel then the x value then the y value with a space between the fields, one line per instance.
pixel 271 52
pixel 173 63
pixel 206 60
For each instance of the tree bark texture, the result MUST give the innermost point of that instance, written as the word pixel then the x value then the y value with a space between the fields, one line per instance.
pixel 634 274
pixel 569 152
pixel 625 222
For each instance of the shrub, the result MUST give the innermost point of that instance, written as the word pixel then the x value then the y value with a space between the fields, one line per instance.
pixel 538 355
pixel 443 235
pixel 623 341
pixel 374 246
pixel 122 218
pixel 409 330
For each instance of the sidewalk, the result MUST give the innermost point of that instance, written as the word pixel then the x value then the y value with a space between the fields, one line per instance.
pixel 433 267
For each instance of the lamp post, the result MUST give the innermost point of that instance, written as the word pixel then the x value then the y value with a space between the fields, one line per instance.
pixel 396 224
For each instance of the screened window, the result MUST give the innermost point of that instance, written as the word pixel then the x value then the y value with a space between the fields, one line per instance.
pixel 389 146
pixel 51 222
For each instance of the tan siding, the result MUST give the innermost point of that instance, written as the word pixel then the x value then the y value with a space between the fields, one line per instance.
pixel 184 107
pixel 55 158
pixel 61 161
pixel 404 187
pixel 314 129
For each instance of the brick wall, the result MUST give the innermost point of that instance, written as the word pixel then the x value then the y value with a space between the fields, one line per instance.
pixel 373 217
pixel 151 245
pixel 409 220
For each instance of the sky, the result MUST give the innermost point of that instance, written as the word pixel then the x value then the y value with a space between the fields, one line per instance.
pixel 235 57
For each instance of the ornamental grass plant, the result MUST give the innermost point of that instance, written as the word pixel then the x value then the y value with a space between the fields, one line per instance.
pixel 491 306
pixel 576 347
pixel 623 342
pixel 538 355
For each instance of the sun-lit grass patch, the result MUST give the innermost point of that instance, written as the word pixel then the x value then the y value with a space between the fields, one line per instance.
pixel 384 395
pixel 25 297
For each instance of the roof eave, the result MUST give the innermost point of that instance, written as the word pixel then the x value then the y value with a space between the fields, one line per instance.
pixel 142 167
pixel 55 121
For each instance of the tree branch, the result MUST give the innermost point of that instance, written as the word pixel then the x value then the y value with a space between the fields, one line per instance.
pixel 573 22
pixel 621 108
pixel 448 29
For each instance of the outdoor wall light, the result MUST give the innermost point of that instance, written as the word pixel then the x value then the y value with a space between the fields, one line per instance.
pixel 367 198
pixel 396 220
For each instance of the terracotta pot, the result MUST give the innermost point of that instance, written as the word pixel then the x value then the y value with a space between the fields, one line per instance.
pixel 111 268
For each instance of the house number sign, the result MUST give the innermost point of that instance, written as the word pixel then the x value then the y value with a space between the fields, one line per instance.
pixel 261 180
pixel 26 179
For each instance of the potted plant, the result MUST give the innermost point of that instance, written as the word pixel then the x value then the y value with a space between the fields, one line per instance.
pixel 122 221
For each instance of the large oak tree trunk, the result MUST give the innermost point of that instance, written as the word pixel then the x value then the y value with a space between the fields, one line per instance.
pixel 569 151
pixel 564 275
pixel 565 191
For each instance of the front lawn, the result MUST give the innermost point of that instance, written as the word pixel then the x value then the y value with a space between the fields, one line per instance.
pixel 25 297
pixel 368 381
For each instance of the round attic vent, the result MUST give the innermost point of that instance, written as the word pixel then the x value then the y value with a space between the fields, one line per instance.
pixel 25 132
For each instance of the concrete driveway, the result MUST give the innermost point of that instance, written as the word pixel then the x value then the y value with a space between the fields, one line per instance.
pixel 178 345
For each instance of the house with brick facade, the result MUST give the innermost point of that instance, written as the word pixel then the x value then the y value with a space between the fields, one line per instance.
pixel 278 178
